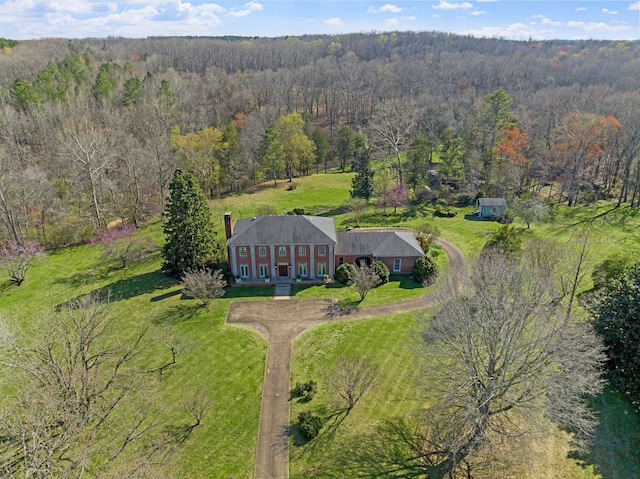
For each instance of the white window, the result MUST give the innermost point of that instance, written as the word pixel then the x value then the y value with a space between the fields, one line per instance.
pixel 282 251
pixel 322 269
pixel 264 270
pixel 397 265
pixel 302 269
pixel 340 260
pixel 302 251
pixel 262 251
pixel 243 251
pixel 322 250
pixel 244 270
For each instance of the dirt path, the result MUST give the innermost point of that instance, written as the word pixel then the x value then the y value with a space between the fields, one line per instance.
pixel 280 322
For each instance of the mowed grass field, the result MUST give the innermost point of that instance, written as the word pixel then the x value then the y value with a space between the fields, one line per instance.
pixel 228 361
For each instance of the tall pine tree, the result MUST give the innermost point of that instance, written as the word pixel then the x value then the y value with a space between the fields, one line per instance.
pixel 362 183
pixel 189 235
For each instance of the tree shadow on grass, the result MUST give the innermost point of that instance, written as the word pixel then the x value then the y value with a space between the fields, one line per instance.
pixel 176 314
pixel 80 278
pixel 129 287
pixel 340 310
pixel 614 453
pixel 406 282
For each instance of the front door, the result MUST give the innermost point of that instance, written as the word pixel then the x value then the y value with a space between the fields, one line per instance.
pixel 283 270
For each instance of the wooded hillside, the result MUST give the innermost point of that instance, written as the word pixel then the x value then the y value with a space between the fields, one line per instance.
pixel 91 131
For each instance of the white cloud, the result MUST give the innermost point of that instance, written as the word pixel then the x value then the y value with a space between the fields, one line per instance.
pixel 478 12
pixel 395 21
pixel 239 13
pixel 334 22
pixel 516 31
pixel 250 7
pixel 444 5
pixel 634 6
pixel 581 9
pixel 599 26
pixel 39 19
pixel 551 23
pixel 388 8
pixel 609 12
pixel 254 6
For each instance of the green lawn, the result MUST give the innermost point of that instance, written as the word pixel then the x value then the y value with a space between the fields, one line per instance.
pixel 228 361
pixel 225 361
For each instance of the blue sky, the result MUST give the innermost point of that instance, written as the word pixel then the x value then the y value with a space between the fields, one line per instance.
pixel 511 19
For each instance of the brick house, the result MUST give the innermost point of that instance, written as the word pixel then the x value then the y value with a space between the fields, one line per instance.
pixel 285 247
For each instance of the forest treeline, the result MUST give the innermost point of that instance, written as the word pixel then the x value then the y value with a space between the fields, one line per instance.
pixel 92 130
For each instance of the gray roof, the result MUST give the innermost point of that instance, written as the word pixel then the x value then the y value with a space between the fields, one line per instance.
pixel 378 244
pixel 492 202
pixel 279 230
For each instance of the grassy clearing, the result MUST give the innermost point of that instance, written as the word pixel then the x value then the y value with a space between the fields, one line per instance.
pixel 228 361
pixel 389 343
pixel 386 342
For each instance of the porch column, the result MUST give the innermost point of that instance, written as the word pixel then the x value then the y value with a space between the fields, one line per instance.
pixel 312 262
pixel 272 258
pixel 292 251
pixel 252 251
pixel 232 260
pixel 331 271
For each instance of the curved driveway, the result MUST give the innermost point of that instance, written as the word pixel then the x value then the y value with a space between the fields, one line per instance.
pixel 280 322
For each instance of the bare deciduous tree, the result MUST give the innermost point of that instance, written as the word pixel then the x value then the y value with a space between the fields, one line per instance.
pixel 501 361
pixel 76 402
pixel 364 278
pixel 204 284
pixel 350 379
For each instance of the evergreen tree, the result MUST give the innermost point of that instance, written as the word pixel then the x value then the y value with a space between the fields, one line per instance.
pixel 362 183
pixel 616 313
pixel 190 240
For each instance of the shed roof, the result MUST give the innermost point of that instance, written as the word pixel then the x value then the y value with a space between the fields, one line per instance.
pixel 293 229
pixel 378 244
pixel 492 202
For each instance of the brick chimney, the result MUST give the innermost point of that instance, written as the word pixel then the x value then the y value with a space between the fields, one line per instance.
pixel 228 225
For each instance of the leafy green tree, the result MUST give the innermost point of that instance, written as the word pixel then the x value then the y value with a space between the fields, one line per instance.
pixel 24 95
pixel 105 81
pixel 321 140
pixel 190 239
pixel 232 158
pixel 616 312
pixel 425 270
pixel 418 160
pixel 495 113
pixel 345 145
pixel 507 239
pixel 271 152
pixel 133 91
pixel 362 183
pixel 530 209
pixel 298 150
pixel 452 153
pixel 53 82
pixel 610 269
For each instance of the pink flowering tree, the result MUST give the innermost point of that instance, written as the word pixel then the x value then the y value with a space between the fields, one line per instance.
pixel 122 248
pixel 398 197
pixel 16 257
